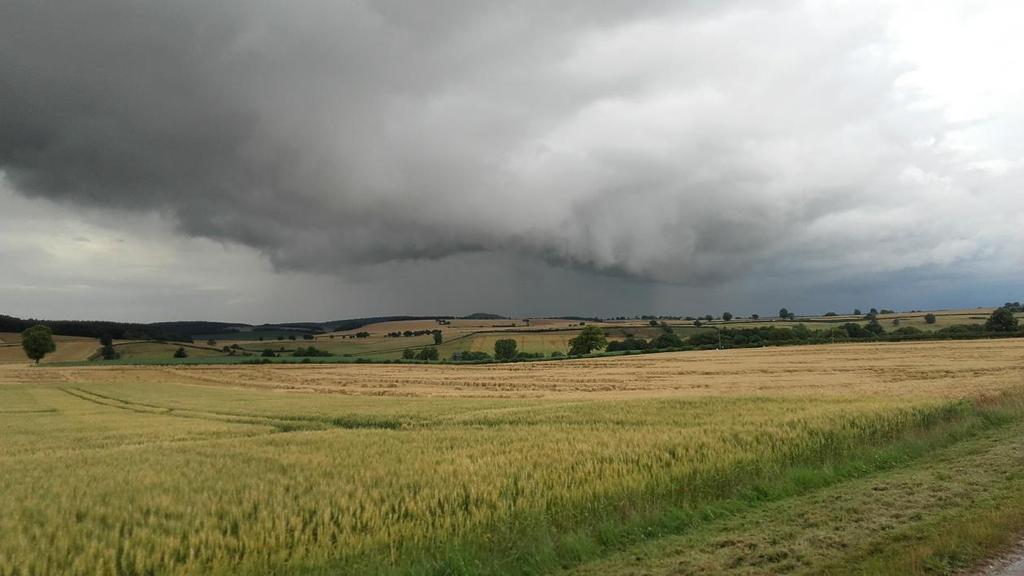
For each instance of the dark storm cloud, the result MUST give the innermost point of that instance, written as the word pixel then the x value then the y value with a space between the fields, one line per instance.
pixel 688 143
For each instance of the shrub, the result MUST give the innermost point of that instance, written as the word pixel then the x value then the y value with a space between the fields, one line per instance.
pixel 590 338
pixel 312 351
pixel 268 353
pixel 875 327
pixel 470 356
pixel 180 353
pixel 929 318
pixel 428 353
pixel 1001 320
pixel 629 343
pixel 665 340
pixel 505 349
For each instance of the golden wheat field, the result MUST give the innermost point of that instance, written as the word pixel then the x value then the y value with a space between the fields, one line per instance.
pixel 484 469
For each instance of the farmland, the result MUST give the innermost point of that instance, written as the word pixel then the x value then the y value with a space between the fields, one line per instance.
pixel 387 340
pixel 689 462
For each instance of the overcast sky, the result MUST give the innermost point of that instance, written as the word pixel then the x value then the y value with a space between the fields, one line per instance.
pixel 254 161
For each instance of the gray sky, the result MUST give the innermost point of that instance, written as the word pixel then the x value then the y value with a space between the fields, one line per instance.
pixel 314 159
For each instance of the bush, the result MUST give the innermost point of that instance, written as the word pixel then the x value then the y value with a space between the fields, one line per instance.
pixel 929 318
pixel 312 351
pixel 428 353
pixel 471 356
pixel 854 330
pixel 180 353
pixel 408 354
pixel 629 343
pixel 590 338
pixel 268 353
pixel 958 329
pixel 557 354
pixel 505 349
pixel 1001 320
pixel 875 327
pixel 665 340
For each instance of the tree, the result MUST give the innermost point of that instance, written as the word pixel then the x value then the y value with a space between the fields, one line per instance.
pixel 268 353
pixel 590 338
pixel 857 312
pixel 783 313
pixel 726 316
pixel 875 327
pixel 755 316
pixel 408 354
pixel 929 318
pixel 107 352
pixel 1002 320
pixel 438 338
pixel 667 340
pixel 427 353
pixel 37 342
pixel 505 349
pixel 180 353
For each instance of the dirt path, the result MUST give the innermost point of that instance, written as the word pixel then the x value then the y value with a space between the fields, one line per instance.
pixel 1011 565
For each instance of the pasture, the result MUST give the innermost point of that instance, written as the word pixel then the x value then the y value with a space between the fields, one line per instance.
pixel 754 461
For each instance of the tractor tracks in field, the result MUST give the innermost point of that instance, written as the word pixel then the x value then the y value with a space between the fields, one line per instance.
pixel 278 422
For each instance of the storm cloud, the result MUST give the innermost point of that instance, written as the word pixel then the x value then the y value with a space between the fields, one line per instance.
pixel 687 143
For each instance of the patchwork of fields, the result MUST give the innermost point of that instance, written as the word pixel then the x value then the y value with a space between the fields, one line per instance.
pixel 536 336
pixel 596 465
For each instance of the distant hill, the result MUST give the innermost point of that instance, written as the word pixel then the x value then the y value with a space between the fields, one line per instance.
pixel 118 330
pixel 484 316
pixel 353 323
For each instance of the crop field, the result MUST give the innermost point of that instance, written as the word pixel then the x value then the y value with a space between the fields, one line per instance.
pixel 69 349
pixel 146 351
pixel 799 460
pixel 543 336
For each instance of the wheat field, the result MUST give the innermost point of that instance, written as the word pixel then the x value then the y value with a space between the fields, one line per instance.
pixel 432 469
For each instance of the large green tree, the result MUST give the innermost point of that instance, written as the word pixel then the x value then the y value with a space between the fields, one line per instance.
pixel 1002 320
pixel 505 349
pixel 37 342
pixel 590 338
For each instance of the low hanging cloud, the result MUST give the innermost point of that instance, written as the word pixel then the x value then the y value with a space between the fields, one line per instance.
pixel 677 142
